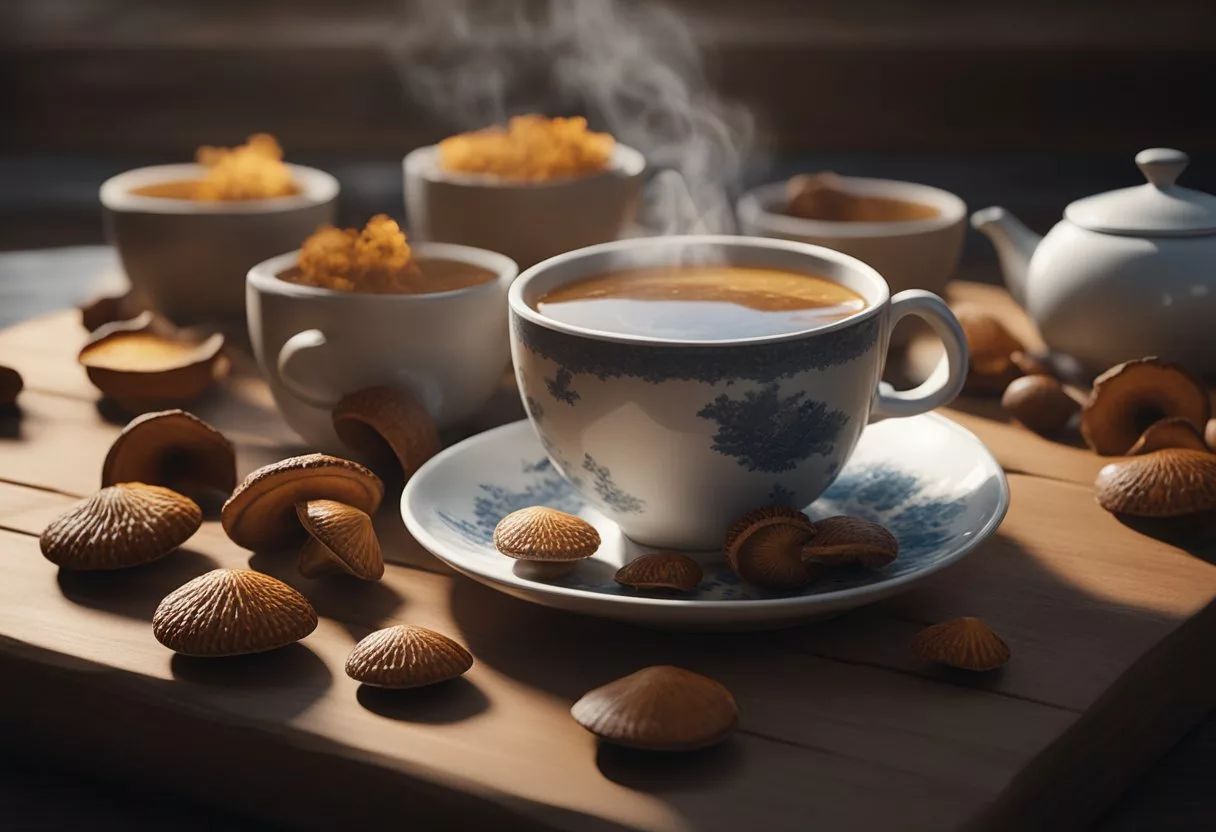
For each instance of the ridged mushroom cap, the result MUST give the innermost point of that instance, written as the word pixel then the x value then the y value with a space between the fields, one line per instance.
pixel 406 656
pixel 341 539
pixel 545 534
pixel 661 570
pixel 1169 483
pixel 965 643
pixel 844 540
pixel 171 448
pixel 1131 396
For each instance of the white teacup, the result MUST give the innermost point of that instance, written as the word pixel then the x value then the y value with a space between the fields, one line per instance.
pixel 674 440
pixel 315 345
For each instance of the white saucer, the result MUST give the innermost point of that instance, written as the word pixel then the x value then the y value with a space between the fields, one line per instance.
pixel 929 481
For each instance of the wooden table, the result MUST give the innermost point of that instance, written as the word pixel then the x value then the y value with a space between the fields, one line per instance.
pixel 842 728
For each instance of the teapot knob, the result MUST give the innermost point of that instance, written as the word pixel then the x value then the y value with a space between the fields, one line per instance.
pixel 1162 165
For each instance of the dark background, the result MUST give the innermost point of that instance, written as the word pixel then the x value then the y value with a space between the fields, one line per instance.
pixel 1026 103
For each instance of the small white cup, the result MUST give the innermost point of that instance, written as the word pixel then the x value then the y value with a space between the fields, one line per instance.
pixel 316 345
pixel 675 439
pixel 187 258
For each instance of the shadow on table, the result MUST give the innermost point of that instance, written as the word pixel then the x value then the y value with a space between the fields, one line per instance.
pixel 656 772
pixel 296 675
pixel 137 591
pixel 10 421
pixel 450 701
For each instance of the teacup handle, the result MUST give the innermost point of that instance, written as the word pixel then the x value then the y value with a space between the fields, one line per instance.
pixel 292 350
pixel 946 381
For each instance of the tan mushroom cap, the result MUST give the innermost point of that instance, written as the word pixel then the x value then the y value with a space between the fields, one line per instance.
pixel 1209 434
pixel 406 656
pixel 965 643
pixel 764 548
pixel 660 708
pixel 123 525
pixel 844 540
pixel 232 612
pixel 1040 403
pixel 661 570
pixel 11 384
pixel 171 448
pixel 341 539
pixel 261 513
pixel 545 534
pixel 1175 432
pixel 1169 483
pixel 1130 397
pixel 377 420
pixel 141 368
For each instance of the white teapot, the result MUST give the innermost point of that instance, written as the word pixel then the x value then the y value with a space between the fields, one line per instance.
pixel 1126 274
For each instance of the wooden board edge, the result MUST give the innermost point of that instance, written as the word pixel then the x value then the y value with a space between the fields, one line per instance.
pixel 1081 775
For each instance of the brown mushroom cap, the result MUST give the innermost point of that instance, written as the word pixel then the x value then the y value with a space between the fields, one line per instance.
pixel 124 525
pixel 261 513
pixel 1209 434
pixel 11 384
pixel 1169 483
pixel 1130 397
pixel 171 448
pixel 966 643
pixel 380 422
pixel 843 540
pixel 232 612
pixel 661 570
pixel 545 534
pixel 107 309
pixel 659 708
pixel 141 368
pixel 405 656
pixel 341 539
pixel 1040 403
pixel 1032 364
pixel 747 522
pixel 764 548
pixel 1175 432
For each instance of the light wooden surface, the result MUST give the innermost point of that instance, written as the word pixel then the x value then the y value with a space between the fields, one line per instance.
pixel 841 729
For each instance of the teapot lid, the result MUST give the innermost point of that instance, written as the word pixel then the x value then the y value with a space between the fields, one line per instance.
pixel 1158 208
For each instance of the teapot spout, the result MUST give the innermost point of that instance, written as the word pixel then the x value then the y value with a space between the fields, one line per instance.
pixel 1014 242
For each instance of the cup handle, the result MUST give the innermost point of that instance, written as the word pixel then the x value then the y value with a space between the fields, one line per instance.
pixel 294 348
pixel 946 381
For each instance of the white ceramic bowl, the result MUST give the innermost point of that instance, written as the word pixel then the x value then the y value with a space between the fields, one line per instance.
pixel 527 221
pixel 186 258
pixel 315 345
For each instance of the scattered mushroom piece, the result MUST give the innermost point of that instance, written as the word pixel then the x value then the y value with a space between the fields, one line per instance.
pixel 405 656
pixel 1040 403
pixel 261 513
pixel 1175 432
pixel 172 448
pixel 990 345
pixel 377 420
pixel 123 525
pixel 341 539
pixel 764 548
pixel 965 643
pixel 662 570
pixel 660 708
pixel 843 540
pixel 1209 434
pixel 1032 364
pixel 140 368
pixel 232 612
pixel 551 541
pixel 1127 399
pixel 1173 482
pixel 11 384
pixel 107 309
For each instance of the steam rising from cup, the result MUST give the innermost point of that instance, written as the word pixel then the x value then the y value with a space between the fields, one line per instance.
pixel 634 68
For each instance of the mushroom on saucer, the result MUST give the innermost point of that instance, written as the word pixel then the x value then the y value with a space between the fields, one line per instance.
pixel 764 548
pixel 662 571
pixel 547 542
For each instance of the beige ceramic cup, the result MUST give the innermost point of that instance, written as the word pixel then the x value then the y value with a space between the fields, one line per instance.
pixel 187 259
pixel 909 254
pixel 527 221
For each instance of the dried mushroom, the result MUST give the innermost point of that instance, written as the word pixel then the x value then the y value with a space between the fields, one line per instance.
pixel 11 384
pixel 261 513
pixel 232 612
pixel 991 346
pixel 140 368
pixel 662 570
pixel 120 526
pixel 1032 364
pixel 1174 432
pixel 551 541
pixel 1040 403
pixel 1168 483
pixel 843 541
pixel 1127 399
pixel 108 309
pixel 341 539
pixel 382 422
pixel 405 656
pixel 965 643
pixel 764 548
pixel 659 708
pixel 175 449
pixel 1209 434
